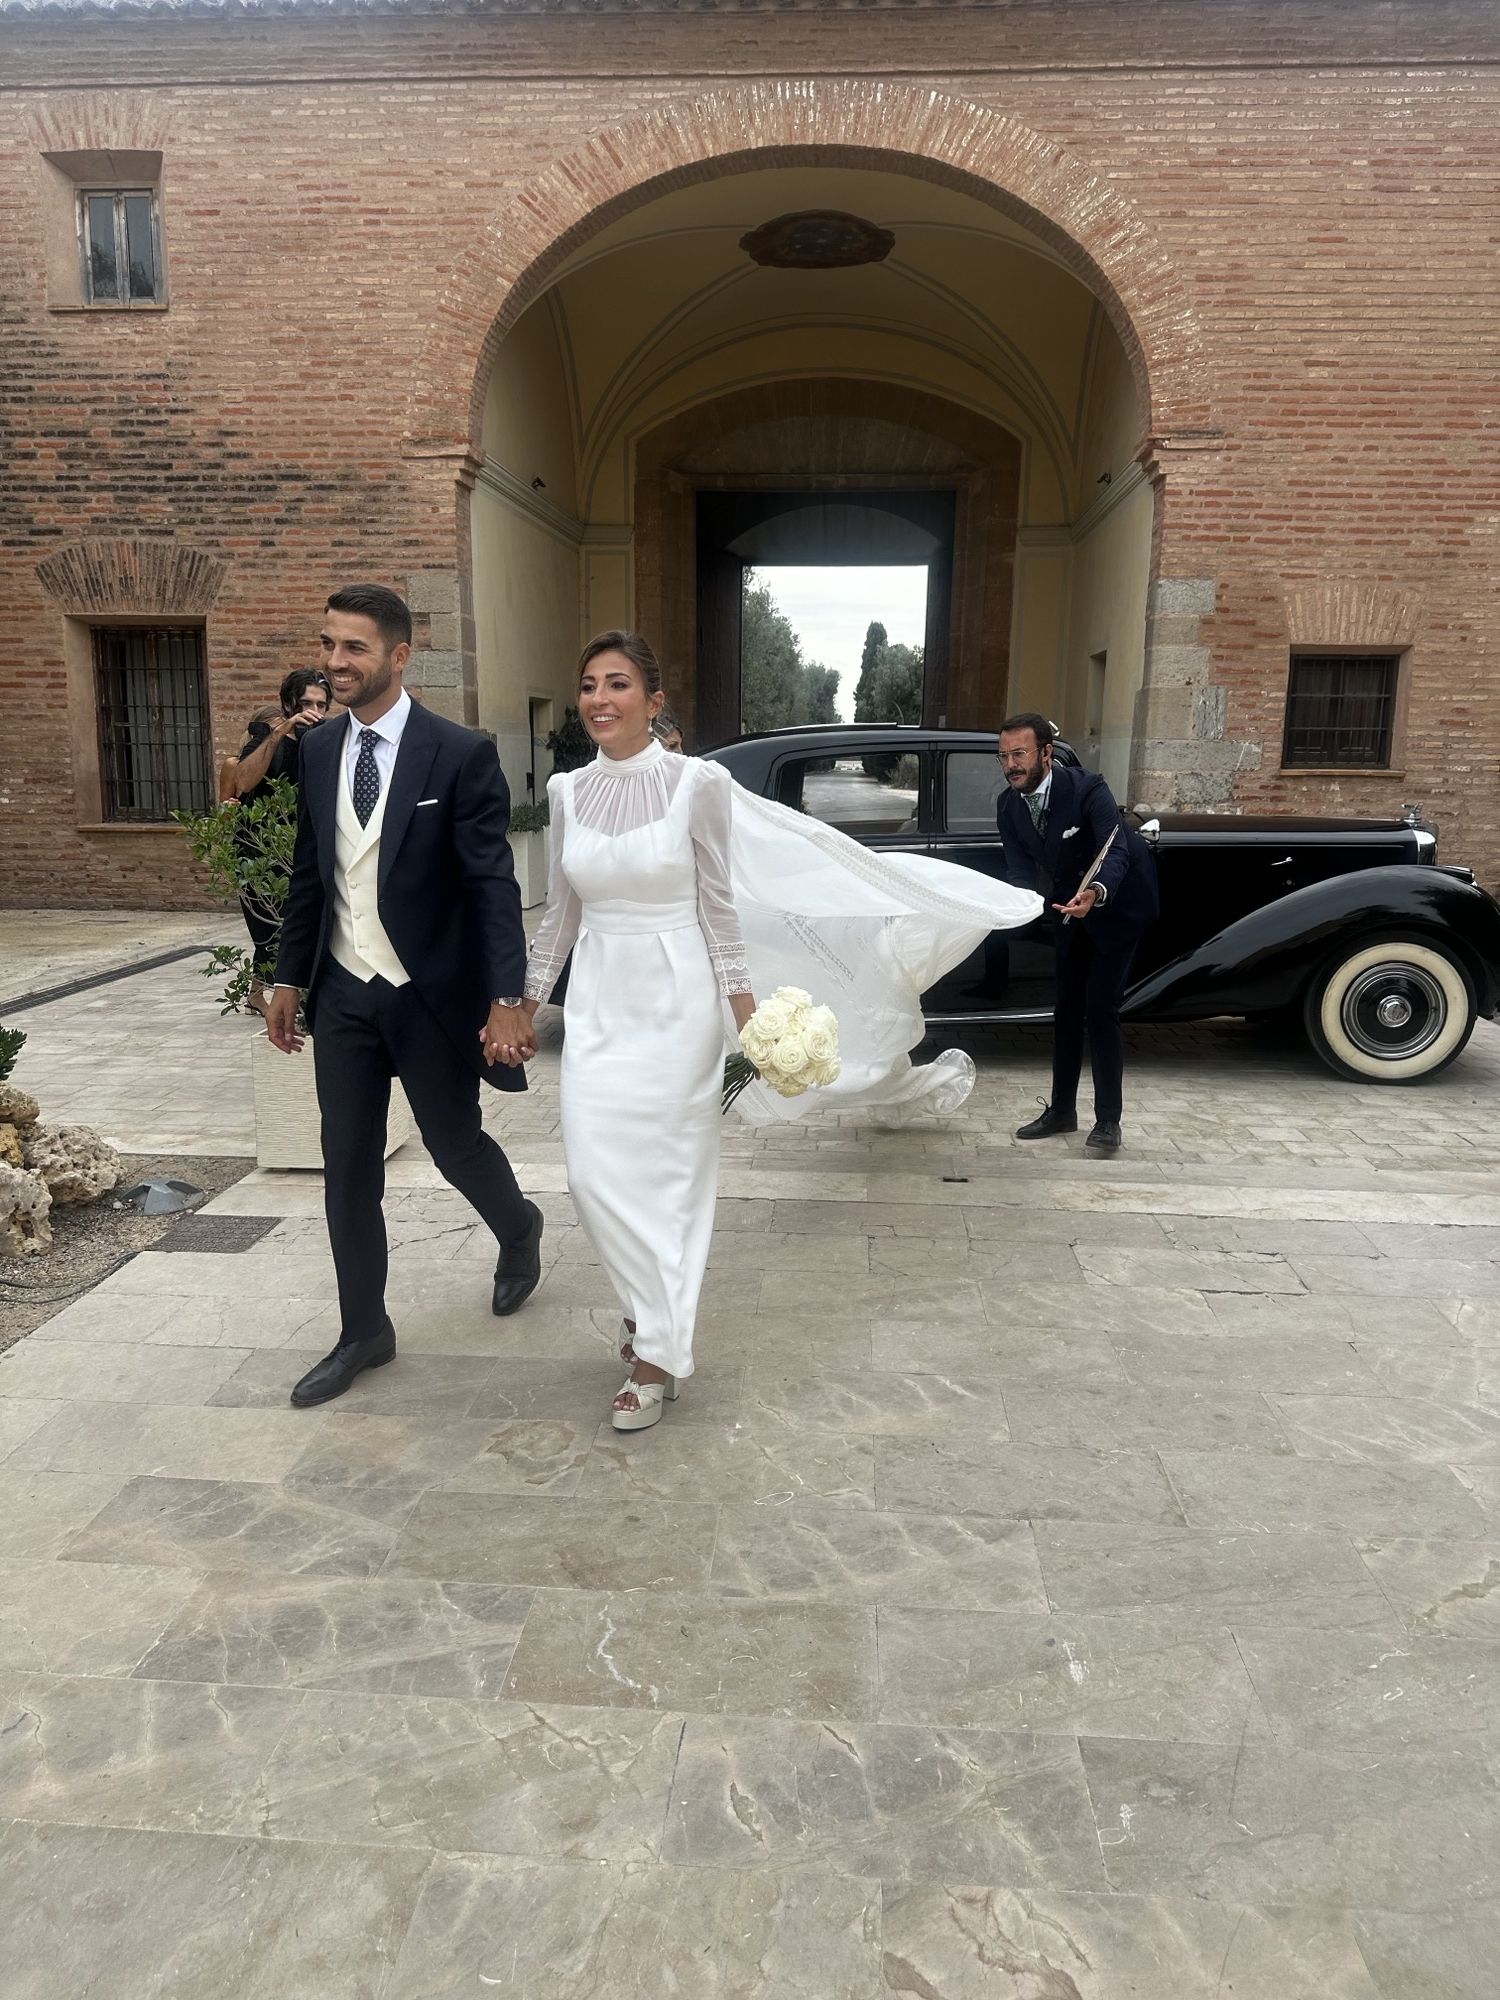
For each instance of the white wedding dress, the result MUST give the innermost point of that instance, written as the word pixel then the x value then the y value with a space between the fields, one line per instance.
pixel 673 888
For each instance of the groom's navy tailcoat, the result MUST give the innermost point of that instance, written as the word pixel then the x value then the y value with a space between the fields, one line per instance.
pixel 1081 815
pixel 446 884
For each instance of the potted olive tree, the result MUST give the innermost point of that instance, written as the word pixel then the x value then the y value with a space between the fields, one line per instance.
pixel 246 849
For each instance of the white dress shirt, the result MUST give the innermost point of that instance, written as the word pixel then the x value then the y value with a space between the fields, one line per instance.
pixel 388 728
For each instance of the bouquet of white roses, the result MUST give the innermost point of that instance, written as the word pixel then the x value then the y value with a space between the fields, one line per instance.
pixel 788 1043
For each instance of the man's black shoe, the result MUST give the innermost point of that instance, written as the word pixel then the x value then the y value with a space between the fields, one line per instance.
pixel 1105 1137
pixel 519 1270
pixel 336 1371
pixel 1050 1125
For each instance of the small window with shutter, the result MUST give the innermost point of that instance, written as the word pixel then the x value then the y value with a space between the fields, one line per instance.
pixel 119 233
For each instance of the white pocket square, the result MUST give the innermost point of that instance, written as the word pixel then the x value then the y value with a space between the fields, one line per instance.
pixel 1068 835
pixel 427 802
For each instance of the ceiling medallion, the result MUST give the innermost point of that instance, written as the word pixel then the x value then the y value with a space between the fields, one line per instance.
pixel 817 239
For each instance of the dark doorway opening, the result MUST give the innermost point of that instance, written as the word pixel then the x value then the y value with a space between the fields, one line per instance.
pixel 806 527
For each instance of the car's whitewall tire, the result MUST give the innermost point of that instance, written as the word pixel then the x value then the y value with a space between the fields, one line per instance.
pixel 1394 1011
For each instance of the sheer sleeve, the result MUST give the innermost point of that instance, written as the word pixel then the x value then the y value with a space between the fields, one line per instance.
pixel 558 930
pixel 709 814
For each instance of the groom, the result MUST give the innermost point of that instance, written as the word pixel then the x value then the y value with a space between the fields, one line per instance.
pixel 403 924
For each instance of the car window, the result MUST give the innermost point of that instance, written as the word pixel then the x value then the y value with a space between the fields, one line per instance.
pixel 974 785
pixel 863 794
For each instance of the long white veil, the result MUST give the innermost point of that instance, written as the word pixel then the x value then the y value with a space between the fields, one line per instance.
pixel 866 933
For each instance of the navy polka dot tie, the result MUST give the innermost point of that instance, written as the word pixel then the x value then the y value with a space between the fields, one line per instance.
pixel 366 776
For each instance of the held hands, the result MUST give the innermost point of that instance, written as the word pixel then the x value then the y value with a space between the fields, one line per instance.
pixel 507 1036
pixel 281 1020
pixel 1081 904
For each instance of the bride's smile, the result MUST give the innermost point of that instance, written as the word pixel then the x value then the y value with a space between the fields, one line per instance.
pixel 616 706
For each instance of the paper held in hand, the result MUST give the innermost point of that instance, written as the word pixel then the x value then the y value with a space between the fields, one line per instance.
pixel 788 1043
pixel 1094 866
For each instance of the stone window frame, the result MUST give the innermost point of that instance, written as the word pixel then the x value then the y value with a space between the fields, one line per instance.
pixel 81 664
pixel 66 178
pixel 1395 765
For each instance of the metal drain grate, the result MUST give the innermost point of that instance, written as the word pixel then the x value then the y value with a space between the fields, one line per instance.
pixel 216 1232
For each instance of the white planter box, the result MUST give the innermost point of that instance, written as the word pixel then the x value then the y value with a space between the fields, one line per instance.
pixel 287 1126
pixel 530 851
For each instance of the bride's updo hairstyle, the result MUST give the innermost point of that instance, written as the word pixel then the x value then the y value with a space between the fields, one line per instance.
pixel 635 649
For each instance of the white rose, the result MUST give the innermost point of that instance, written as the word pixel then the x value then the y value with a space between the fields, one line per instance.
pixel 820 1041
pixel 789 1057
pixel 786 1086
pixel 824 1073
pixel 824 1017
pixel 772 1017
pixel 757 1044
pixel 794 996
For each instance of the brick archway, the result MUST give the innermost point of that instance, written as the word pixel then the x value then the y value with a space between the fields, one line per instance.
pixel 823 122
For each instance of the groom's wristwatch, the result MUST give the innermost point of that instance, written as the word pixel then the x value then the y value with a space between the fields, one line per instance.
pixel 518 1001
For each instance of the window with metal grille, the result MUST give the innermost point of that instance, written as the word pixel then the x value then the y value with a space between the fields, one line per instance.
pixel 153 722
pixel 1340 708
pixel 119 232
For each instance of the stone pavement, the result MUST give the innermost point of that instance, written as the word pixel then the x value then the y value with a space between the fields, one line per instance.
pixel 1061 1581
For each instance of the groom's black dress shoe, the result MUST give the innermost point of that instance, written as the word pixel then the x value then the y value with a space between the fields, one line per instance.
pixel 1105 1137
pixel 1050 1124
pixel 334 1373
pixel 519 1270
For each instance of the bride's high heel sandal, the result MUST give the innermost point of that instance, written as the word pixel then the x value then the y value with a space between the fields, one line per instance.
pixel 649 1400
pixel 627 1343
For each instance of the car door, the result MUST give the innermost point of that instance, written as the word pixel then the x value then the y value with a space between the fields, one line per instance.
pixel 1014 971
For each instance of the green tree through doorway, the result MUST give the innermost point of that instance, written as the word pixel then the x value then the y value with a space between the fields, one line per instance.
pixel 778 688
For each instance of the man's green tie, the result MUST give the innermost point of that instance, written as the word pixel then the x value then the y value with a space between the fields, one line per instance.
pixel 1037 807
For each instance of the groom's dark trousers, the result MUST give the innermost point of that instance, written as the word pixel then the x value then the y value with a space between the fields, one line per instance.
pixel 447 901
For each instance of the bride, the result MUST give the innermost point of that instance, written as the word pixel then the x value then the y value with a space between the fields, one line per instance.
pixel 671 886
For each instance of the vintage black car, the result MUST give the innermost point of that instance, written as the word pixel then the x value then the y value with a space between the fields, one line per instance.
pixel 1348 925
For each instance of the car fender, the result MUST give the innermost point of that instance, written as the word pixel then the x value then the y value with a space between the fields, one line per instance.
pixel 1262 963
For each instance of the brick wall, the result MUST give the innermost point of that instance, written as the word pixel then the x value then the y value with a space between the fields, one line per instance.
pixel 1298 201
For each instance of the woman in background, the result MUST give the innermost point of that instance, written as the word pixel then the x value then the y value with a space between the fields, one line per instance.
pixel 270 752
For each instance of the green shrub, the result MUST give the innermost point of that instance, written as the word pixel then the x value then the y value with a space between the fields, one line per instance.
pixel 247 850
pixel 10 1047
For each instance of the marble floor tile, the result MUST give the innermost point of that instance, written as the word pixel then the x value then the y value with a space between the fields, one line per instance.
pixel 1079 1674
pixel 1405 1277
pixel 1246 1363
pixel 870 1402
pixel 83 1618
pixel 491 1777
pixel 1482 1484
pixel 847 1555
pixel 883 1800
pixel 1388 1430
pixel 1340 1316
pixel 386 1635
pixel 1254 1490
pixel 1060 1355
pixel 19 1421
pixel 532 1387
pixel 157 1276
pixel 1441 1955
pixel 731 1343
pixel 968 1943
pixel 1022 1482
pixel 468 1327
pixel 1188 1271
pixel 1068 1225
pixel 568 1930
pixel 1439 1586
pixel 1370 1688
pixel 803 1294
pixel 862 1218
pixel 701 1464
pixel 132 1753
pixel 529 1456
pixel 414 1385
pixel 1323 1825
pixel 665 1650
pixel 39 1511
pixel 557 1544
pixel 237 1919
pixel 1108 1309
pixel 171 1443
pixel 1475 1320
pixel 793 1250
pixel 241 1524
pixel 101 1373
pixel 1459 1378
pixel 1284 1238
pixel 169 1320
pixel 1206 1579
pixel 1106 1417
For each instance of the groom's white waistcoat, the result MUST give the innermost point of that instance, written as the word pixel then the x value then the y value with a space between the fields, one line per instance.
pixel 358 940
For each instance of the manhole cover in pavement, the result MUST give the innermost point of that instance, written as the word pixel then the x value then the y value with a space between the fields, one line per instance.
pixel 216 1232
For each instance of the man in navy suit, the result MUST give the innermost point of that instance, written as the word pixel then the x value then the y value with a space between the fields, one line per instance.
pixel 403 927
pixel 1053 821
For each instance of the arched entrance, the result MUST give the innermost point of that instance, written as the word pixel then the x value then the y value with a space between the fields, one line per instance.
pixel 620 333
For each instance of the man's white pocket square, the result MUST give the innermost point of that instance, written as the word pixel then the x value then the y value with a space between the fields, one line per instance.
pixel 427 802
pixel 1068 835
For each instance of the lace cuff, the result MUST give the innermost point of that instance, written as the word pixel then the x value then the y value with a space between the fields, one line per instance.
pixel 731 967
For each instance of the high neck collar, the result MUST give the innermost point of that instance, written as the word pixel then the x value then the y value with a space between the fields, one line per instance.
pixel 621 767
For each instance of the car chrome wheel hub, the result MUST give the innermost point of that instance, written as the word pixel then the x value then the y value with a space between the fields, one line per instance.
pixel 1394 1011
